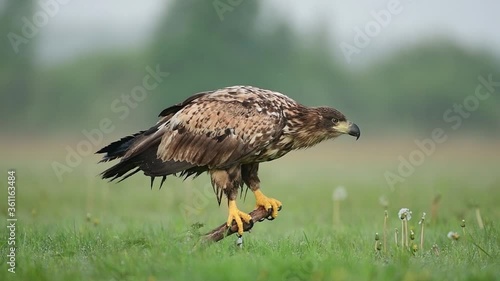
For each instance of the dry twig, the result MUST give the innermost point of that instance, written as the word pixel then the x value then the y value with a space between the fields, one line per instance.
pixel 221 232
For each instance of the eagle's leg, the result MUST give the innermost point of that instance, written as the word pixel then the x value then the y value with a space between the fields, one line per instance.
pixel 268 203
pixel 228 181
pixel 237 215
pixel 251 179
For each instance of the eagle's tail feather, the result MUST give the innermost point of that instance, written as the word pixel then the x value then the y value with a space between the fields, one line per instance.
pixel 142 160
pixel 121 169
pixel 118 148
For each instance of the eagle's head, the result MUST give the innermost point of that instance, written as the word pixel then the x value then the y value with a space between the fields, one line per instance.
pixel 334 123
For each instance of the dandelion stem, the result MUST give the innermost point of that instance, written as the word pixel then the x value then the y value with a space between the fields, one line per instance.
pixel 422 222
pixel 402 233
pixel 406 233
pixel 385 231
pixel 422 237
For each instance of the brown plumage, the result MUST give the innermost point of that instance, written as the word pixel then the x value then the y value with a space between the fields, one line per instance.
pixel 226 132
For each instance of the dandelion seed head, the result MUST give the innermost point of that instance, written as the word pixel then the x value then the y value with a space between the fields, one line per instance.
pixel 404 214
pixel 340 193
pixel 453 235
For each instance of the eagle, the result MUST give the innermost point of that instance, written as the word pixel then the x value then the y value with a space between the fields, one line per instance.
pixel 227 133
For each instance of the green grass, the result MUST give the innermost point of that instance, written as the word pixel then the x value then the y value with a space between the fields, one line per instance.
pixel 87 229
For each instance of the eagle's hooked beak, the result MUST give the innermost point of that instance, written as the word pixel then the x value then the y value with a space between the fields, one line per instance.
pixel 354 130
pixel 349 128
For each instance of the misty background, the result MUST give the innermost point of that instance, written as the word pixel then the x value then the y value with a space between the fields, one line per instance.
pixel 83 56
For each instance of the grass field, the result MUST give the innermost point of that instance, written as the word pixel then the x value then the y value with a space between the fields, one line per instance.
pixel 83 228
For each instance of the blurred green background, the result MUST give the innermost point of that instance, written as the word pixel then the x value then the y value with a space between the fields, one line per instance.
pixel 86 55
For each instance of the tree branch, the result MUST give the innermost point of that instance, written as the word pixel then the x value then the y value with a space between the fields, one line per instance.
pixel 221 232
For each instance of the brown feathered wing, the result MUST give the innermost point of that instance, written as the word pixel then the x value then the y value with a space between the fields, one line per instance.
pixel 218 131
pixel 208 130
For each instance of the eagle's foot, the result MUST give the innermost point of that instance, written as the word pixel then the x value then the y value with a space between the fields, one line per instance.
pixel 238 216
pixel 268 203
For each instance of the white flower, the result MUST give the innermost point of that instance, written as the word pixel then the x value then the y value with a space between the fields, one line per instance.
pixel 339 194
pixel 404 214
pixel 453 235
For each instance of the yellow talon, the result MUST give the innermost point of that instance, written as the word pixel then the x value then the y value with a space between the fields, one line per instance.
pixel 267 203
pixel 238 216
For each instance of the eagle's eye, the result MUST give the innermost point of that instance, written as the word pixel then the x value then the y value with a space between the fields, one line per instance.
pixel 335 120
